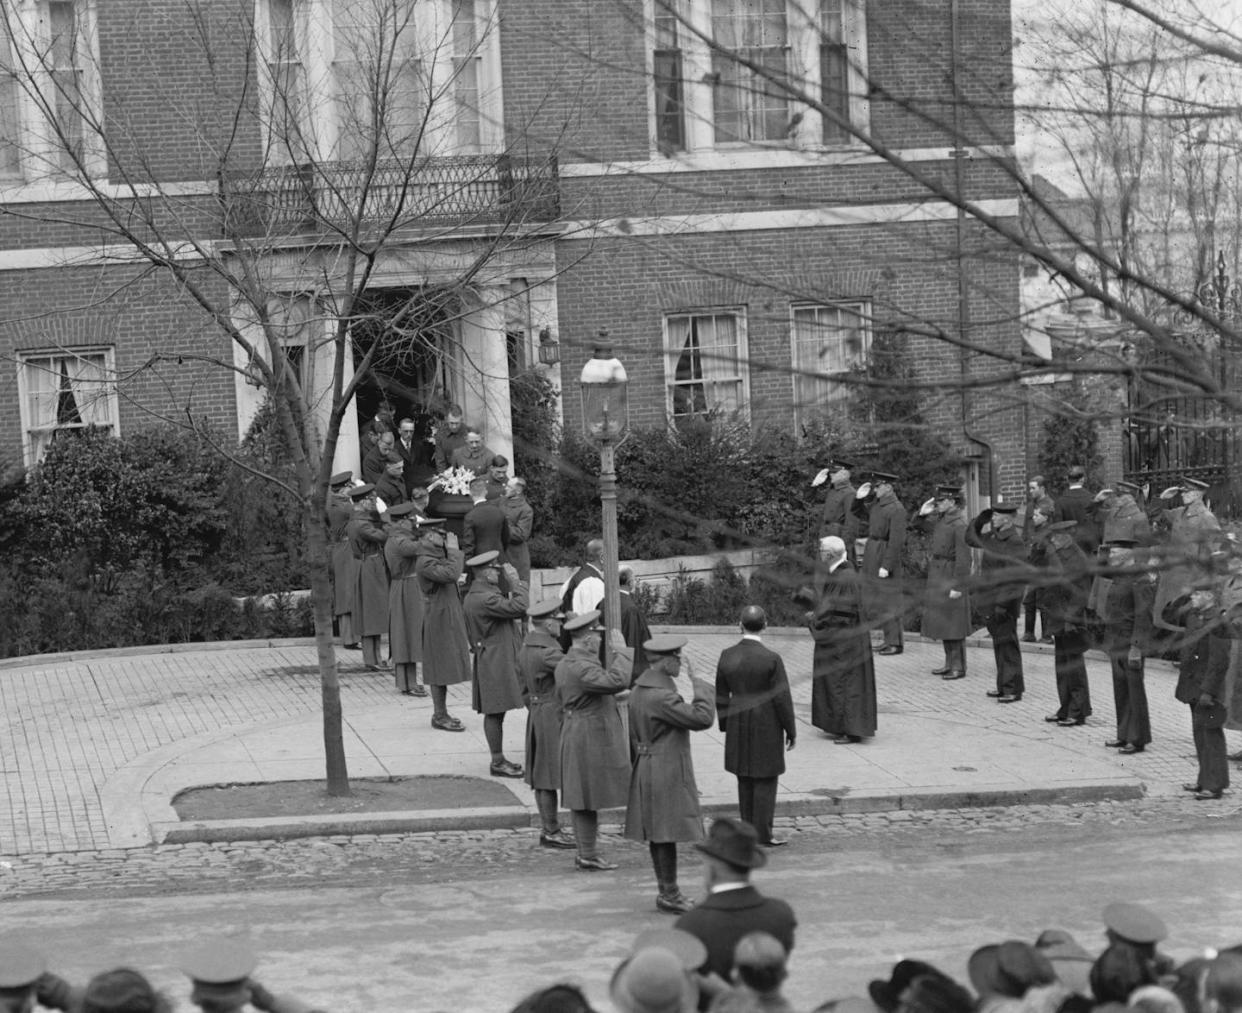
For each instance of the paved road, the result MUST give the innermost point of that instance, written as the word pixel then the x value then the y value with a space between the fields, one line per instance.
pixel 472 922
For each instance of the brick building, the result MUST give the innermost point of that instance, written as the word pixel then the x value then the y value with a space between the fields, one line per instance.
pixel 577 166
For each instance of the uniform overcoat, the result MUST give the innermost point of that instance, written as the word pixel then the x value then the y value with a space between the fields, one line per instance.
pixel 446 649
pixel 405 599
pixel 521 518
pixel 755 709
pixel 366 542
pixel 884 598
pixel 595 757
pixel 1066 586
pixel 493 625
pixel 340 513
pixel 664 798
pixel 1190 527
pixel 843 700
pixel 948 569
pixel 537 661
pixel 836 516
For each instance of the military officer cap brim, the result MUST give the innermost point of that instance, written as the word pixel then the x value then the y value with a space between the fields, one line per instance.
pixel 20 965
pixel 1193 483
pixel 358 491
pixel 1005 508
pixel 948 492
pixel 1129 487
pixel 1135 923
pixel 341 478
pixel 665 644
pixel 484 558
pixel 1120 543
pixel 836 464
pixel 882 476
pixel 430 522
pixel 401 510
pixel 219 962
pixel 543 609
pixel 586 621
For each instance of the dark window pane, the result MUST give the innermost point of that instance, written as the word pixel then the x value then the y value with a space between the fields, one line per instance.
pixel 670 130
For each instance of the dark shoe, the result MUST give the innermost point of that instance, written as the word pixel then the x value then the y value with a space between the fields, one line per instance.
pixel 1047 640
pixel 675 903
pixel 1203 796
pixel 940 671
pixel 773 842
pixel 1054 718
pixel 1191 787
pixel 1128 749
pixel 376 668
pixel 1235 756
pixel 446 723
pixel 419 691
pixel 845 740
pixel 994 693
pixel 955 673
pixel 1028 638
pixel 352 647
pixel 593 864
pixel 1071 722
pixel 559 840
pixel 506 769
pixel 1009 698
pixel 889 649
pixel 1114 743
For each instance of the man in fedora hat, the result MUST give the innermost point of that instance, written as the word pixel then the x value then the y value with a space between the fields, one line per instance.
pixel 537 661
pixel 733 907
pixel 663 806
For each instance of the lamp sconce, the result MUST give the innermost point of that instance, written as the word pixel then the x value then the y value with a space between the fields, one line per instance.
pixel 549 347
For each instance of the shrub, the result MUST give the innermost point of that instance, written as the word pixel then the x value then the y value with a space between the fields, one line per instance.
pixel 1070 436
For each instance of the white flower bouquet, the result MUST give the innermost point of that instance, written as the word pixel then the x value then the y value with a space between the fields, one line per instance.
pixel 453 481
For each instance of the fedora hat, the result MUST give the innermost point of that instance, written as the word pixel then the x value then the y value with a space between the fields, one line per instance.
pixel 735 842
pixel 653 981
pixel 886 994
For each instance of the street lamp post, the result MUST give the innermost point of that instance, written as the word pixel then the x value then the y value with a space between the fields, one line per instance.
pixel 605 419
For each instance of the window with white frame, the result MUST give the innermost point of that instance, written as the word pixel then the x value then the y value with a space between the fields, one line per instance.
pixel 727 91
pixel 705 362
pixel 64 392
pixel 828 342
pixel 394 76
pixel 49 89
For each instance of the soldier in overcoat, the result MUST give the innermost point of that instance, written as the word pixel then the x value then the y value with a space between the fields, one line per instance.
pixel 1128 630
pixel 756 714
pixel 340 512
pixel 881 564
pixel 446 647
pixel 837 517
pixel 405 600
pixel 843 700
pixel 1066 577
pixel 521 517
pixel 946 603
pixel 493 623
pixel 1004 575
pixel 1205 649
pixel 663 806
pixel 537 660
pixel 1192 527
pixel 366 542
pixel 595 757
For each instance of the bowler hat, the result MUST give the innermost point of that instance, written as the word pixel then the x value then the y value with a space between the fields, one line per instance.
pixel 735 842
pixel 1133 922
pixel 20 965
pixel 484 558
pixel 886 994
pixel 665 643
pixel 585 621
pixel 935 993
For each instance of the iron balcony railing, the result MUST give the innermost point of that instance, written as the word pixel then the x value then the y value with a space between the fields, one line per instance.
pixel 486 190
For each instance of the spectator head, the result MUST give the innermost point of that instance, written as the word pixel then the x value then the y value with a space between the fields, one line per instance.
pixel 759 962
pixel 754 619
pixel 1070 961
pixel 1125 921
pixel 887 994
pixel 453 420
pixel 478 488
pixel 406 429
pixel 419 495
pixel 499 468
pixel 653 981
pixel 386 441
pixel 394 465
pixel 1008 969
pixel 935 993
pixel 1036 485
pixel 1118 971
pixel 122 991
pixel 1155 999
pixel 1188 983
pixel 561 998
pixel 831 549
pixel 595 550
pixel 474 439
pixel 1076 474
pixel 515 487
pixel 20 970
pixel 341 481
pixel 220 970
pixel 1222 984
pixel 583 627
pixel 625 576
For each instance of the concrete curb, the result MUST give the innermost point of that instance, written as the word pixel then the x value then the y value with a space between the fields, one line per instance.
pixel 284 828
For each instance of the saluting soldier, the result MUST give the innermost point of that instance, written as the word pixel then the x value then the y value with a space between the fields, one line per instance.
pixel 405 600
pixel 25 982
pixel 340 512
pixel 1192 528
pixel 663 806
pixel 537 660
pixel 221 970
pixel 1128 628
pixel 946 604
pixel 881 564
pixel 837 517
pixel 1067 584
pixel 1201 676
pixel 493 623
pixel 1004 574
pixel 595 758
pixel 366 542
pixel 446 646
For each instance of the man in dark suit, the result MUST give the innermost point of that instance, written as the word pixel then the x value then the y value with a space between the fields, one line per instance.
pixel 1076 504
pixel 485 527
pixel 755 710
pixel 733 908
pixel 415 456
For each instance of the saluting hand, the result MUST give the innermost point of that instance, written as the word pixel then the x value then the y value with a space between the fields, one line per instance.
pixel 954 595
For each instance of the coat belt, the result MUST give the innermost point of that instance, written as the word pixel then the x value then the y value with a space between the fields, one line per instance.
pixel 536 698
pixel 647 749
pixel 873 538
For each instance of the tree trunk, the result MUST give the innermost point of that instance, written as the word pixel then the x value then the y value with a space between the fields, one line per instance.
pixel 330 684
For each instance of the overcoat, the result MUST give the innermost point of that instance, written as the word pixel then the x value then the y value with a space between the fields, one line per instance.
pixel 1003 568
pixel 1065 583
pixel 1076 505
pixel 446 649
pixel 485 528
pixel 843 700
pixel 493 623
pixel 405 599
pixel 663 804
pixel 634 631
pixel 1127 614
pixel 1125 520
pixel 1191 526
pixel 521 518
pixel 340 513
pixel 836 515
pixel 391 490
pixel 755 709
pixel 721 919
pixel 886 536
pixel 366 542
pixel 948 569
pixel 537 661
pixel 1204 661
pixel 595 757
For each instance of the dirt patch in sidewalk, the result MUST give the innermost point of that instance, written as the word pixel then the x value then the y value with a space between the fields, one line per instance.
pixel 311 798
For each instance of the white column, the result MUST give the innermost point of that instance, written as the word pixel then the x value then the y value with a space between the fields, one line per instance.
pixel 485 371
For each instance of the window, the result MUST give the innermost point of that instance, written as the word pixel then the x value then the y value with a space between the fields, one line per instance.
pixel 705 362
pixel 63 392
pixel 466 73
pixel 10 102
pixel 828 341
pixel 728 91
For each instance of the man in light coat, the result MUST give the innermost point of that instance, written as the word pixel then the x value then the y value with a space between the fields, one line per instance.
pixel 663 806
pixel 755 710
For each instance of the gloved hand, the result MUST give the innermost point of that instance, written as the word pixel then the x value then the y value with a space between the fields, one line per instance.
pixel 863 491
pixel 1171 491
pixel 882 573
pixel 927 507
pixel 954 595
pixel 820 478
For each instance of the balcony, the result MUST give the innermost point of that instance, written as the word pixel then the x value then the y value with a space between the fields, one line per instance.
pixel 434 193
